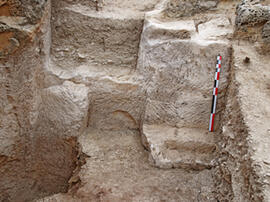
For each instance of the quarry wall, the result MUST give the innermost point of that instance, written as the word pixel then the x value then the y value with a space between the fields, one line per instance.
pixel 67 65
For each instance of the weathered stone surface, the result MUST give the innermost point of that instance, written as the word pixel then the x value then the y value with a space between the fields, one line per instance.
pixel 116 105
pixel 92 76
pixel 117 100
pixel 244 142
pixel 117 6
pixel 178 73
pixel 53 151
pixel 252 19
pixel 31 10
pixel 177 60
pixel 172 147
pixel 65 107
pixel 35 160
pixel 266 32
pixel 82 36
pixel 20 62
pixel 105 61
pixel 182 8
pixel 251 13
pixel 12 36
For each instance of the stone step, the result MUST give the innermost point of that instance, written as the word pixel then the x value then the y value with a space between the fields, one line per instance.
pixel 160 31
pixel 172 147
pixel 82 35
pixel 87 72
pixel 117 98
pixel 178 61
pixel 124 8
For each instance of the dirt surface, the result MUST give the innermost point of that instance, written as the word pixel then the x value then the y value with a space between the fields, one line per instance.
pixel 254 79
pixel 117 169
pixel 135 66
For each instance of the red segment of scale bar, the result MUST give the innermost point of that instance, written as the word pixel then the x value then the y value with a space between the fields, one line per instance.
pixel 215 93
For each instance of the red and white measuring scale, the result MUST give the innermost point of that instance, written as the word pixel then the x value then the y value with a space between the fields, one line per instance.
pixel 215 93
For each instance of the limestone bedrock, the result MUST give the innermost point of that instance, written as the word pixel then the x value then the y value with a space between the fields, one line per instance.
pixel 177 59
pixel 86 82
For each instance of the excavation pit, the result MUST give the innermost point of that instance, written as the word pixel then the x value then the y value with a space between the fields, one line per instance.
pixel 111 100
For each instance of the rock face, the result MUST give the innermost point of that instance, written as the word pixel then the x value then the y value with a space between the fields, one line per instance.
pixel 22 53
pixel 120 157
pixel 266 32
pixel 31 10
pixel 36 157
pixel 116 105
pixel 177 79
pixel 182 8
pixel 81 36
pixel 177 60
pixel 105 62
pixel 244 131
pixel 123 68
pixel 65 108
pixel 62 117
pixel 244 144
pixel 252 22
pixel 251 13
pixel 172 147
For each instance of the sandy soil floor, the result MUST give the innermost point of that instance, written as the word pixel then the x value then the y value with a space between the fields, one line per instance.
pixel 117 169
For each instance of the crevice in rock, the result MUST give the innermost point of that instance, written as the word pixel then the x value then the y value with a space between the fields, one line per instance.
pixel 75 181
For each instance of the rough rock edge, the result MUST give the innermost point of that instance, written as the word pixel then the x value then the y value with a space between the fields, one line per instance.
pixel 184 8
pixel 30 135
pixel 21 8
pixel 236 171
pixel 75 181
pixel 252 24
pixel 158 152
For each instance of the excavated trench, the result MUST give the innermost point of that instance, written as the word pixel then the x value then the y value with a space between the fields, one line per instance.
pixel 110 101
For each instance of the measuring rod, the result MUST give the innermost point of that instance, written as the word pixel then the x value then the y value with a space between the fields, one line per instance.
pixel 215 93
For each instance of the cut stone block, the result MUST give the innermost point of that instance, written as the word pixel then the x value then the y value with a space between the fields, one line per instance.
pixel 65 108
pixel 116 105
pixel 178 63
pixel 81 35
pixel 171 147
pixel 117 99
